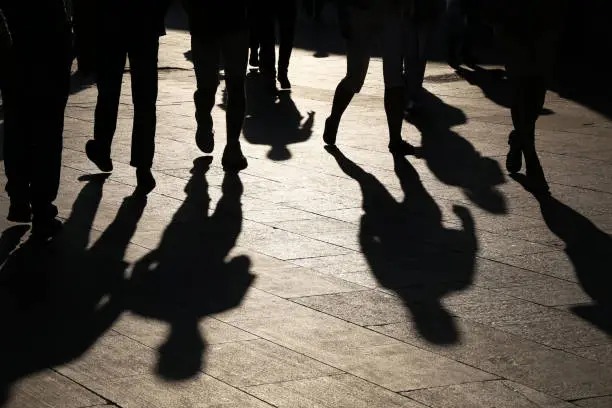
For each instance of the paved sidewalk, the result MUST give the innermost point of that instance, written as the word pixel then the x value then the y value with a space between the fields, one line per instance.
pixel 319 279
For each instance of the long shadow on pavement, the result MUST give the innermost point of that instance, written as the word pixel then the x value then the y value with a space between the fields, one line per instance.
pixel 51 296
pixel 188 276
pixel 590 251
pixel 410 251
pixel 453 159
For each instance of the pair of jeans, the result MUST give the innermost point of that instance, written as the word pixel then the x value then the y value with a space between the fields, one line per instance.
pixel 34 99
pixel 142 54
pixel 207 51
pixel 285 13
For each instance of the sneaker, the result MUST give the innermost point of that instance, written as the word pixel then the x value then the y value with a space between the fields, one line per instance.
pixel 20 211
pixel 146 182
pixel 330 132
pixel 205 135
pixel 401 148
pixel 46 230
pixel 233 160
pixel 283 80
pixel 101 159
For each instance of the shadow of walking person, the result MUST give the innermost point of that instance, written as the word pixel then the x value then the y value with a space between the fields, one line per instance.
pixel 590 251
pixel 274 121
pixel 453 160
pixel 410 251
pixel 189 276
pixel 62 297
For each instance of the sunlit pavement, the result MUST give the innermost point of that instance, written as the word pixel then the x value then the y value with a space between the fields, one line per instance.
pixel 351 281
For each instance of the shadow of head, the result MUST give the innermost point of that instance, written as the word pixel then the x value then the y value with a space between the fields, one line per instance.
pixel 434 323
pixel 181 356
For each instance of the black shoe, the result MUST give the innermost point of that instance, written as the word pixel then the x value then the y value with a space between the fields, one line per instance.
pixel 535 175
pixel 98 157
pixel 146 182
pixel 330 132
pixel 401 148
pixel 205 135
pixel 233 160
pixel 283 80
pixel 46 230
pixel 20 211
pixel 514 159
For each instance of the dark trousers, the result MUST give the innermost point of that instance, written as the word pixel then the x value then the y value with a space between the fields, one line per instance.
pixel 34 98
pixel 528 95
pixel 142 54
pixel 285 13
pixel 207 51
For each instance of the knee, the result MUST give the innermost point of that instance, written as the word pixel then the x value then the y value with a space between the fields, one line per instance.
pixel 353 82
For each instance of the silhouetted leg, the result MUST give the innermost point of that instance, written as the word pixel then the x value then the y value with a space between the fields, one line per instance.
pixel 235 51
pixel 394 85
pixel 17 151
pixel 111 63
pixel 143 63
pixel 53 93
pixel 206 60
pixel 287 15
pixel 267 39
pixel 254 17
pixel 357 62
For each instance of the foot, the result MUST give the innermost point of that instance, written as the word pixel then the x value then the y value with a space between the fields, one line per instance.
pixel 205 135
pixel 46 230
pixel 537 181
pixel 254 59
pixel 330 132
pixel 99 157
pixel 401 148
pixel 20 211
pixel 514 159
pixel 283 80
pixel 145 182
pixel 233 160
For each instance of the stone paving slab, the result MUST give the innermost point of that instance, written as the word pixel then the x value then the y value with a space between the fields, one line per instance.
pixel 343 305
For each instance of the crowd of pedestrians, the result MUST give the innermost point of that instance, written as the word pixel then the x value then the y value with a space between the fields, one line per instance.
pixel 37 47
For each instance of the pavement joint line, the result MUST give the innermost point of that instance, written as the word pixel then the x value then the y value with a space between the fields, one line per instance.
pixel 108 401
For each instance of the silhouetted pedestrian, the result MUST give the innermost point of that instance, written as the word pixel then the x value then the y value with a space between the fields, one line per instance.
pixel 220 28
pixel 35 92
pixel 530 31
pixel 283 12
pixel 127 29
pixel 362 21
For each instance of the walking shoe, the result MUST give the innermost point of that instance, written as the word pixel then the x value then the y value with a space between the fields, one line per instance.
pixel 46 230
pixel 514 159
pixel 537 181
pixel 233 160
pixel 283 80
pixel 145 182
pixel 100 158
pixel 330 132
pixel 401 148
pixel 205 135
pixel 20 211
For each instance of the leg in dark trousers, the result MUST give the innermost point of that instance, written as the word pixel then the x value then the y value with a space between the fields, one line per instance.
pixel 143 64
pixel 267 38
pixel 234 49
pixel 48 131
pixel 253 15
pixel 287 16
pixel 111 63
pixel 206 59
pixel 143 67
